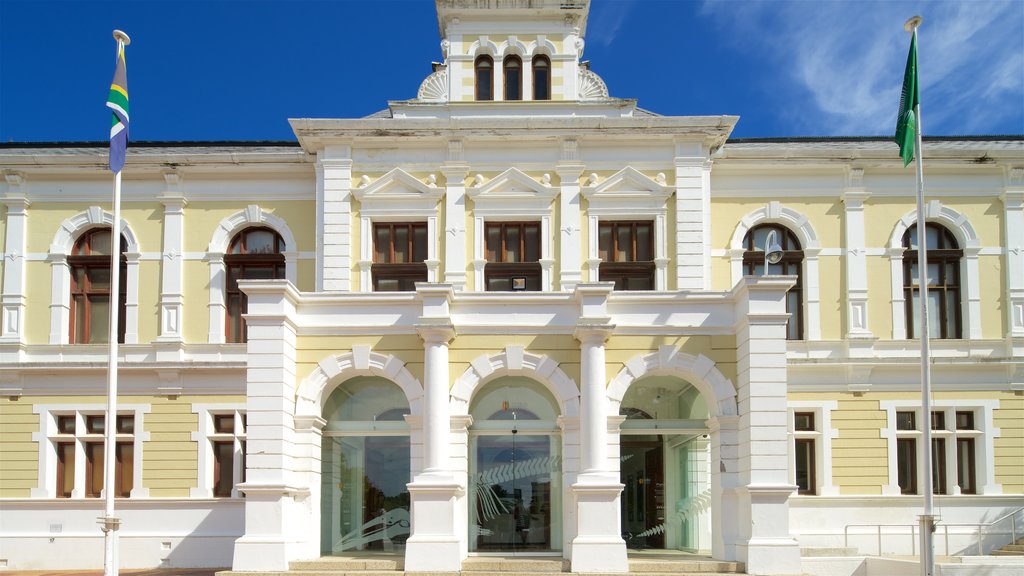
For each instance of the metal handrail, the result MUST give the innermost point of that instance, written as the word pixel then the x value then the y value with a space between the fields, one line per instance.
pixel 981 526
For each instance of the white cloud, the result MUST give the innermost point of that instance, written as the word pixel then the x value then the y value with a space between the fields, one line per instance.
pixel 846 61
pixel 606 18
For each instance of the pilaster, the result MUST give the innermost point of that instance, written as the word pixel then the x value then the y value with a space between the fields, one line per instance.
pixel 855 260
pixel 12 325
pixel 334 218
pixel 277 513
pixel 569 170
pixel 764 544
pixel 171 290
pixel 455 248
pixel 1013 220
pixel 693 216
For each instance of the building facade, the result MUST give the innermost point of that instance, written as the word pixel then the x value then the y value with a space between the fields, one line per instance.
pixel 511 316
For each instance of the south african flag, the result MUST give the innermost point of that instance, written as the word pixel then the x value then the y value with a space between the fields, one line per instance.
pixel 118 102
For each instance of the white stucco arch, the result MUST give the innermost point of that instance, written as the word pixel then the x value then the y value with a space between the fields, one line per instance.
pixel 515 361
pixel 962 229
pixel 361 361
pixel 513 46
pixel 718 391
pixel 776 213
pixel 482 46
pixel 542 46
pixel 60 248
pixel 253 215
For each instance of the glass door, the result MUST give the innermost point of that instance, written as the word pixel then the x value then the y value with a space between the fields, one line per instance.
pixel 515 488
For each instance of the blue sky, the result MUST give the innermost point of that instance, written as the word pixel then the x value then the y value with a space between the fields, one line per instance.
pixel 238 69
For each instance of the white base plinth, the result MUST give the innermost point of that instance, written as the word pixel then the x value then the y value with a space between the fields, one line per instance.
pixel 433 545
pixel 430 554
pixel 605 555
pixel 774 556
pixel 598 545
pixel 260 555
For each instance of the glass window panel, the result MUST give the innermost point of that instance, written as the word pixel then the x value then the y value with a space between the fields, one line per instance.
pixel 493 243
pixel 934 314
pixel 952 303
pixel 643 243
pixel 804 448
pixel 235 310
pixel 260 242
pixel 499 284
pixel 803 421
pixel 382 245
pixel 94 424
pixel 99 319
pixel 126 424
pixel 760 236
pixel 906 465
pixel 915 314
pixel 513 79
pixel 94 477
pixel 66 466
pixel 933 274
pixel 401 244
pixel 80 327
pixel 78 278
pixel 541 78
pixel 623 244
pixel 99 243
pixel 938 420
pixel 99 278
pixel 125 468
pixel 366 399
pixel 223 468
pixel 532 241
pixel 906 421
pixel 939 466
pixel 965 477
pixel 224 423
pixel 604 242
pixel 512 253
pixel 66 424
pixel 637 283
pixel 388 285
pixel 259 273
pixel 776 269
pixel 965 420
pixel 931 237
pixel 913 274
pixel 419 243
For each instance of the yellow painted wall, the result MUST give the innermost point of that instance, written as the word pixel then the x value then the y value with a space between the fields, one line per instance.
pixel 170 457
pixel 19 454
pixel 1009 446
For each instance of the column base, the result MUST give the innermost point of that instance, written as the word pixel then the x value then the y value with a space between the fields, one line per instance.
pixel 433 545
pixel 774 556
pixel 256 554
pixel 598 545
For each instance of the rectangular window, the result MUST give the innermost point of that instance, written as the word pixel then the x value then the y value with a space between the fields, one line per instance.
pixel 805 466
pixel 906 465
pixel 399 253
pixel 906 421
pixel 938 420
pixel 65 424
pixel 803 421
pixel 513 256
pixel 965 420
pixel 65 469
pixel 93 469
pixel 626 250
pixel 124 469
pixel 938 465
pixel 965 476
pixel 223 467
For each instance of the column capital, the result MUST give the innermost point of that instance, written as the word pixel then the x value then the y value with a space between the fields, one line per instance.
pixel 435 332
pixel 454 173
pixel 593 333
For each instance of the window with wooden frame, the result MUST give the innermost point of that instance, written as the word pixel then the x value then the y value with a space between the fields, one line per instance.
pixel 791 264
pixel 513 70
pixel 228 443
pixel 124 454
pixel 805 453
pixel 513 256
pixel 483 69
pixel 89 263
pixel 399 255
pixel 254 254
pixel 626 250
pixel 541 77
pixel 944 255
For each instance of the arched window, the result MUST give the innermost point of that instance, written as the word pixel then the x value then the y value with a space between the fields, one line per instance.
pixel 944 256
pixel 90 288
pixel 791 264
pixel 484 68
pixel 541 77
pixel 513 68
pixel 254 254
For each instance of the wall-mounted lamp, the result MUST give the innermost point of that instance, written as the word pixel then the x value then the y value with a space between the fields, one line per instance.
pixel 772 251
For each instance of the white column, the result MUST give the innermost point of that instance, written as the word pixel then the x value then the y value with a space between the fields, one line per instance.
pixel 334 210
pixel 898 299
pixel 856 257
pixel 171 289
pixel 433 544
pixel 277 513
pixel 725 481
pixel 598 545
pixel 693 224
pixel 218 309
pixel 12 327
pixel 569 231
pixel 455 247
pixel 60 299
pixel 1013 221
pixel 765 545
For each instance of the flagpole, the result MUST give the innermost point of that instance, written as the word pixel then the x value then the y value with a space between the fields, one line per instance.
pixel 110 522
pixel 927 518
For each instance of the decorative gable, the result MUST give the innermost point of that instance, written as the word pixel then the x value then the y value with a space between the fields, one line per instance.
pixel 628 184
pixel 513 184
pixel 398 186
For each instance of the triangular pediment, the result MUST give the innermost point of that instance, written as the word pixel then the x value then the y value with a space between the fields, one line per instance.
pixel 628 182
pixel 513 183
pixel 398 185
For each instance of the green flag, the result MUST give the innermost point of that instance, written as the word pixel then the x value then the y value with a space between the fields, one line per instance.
pixel 909 99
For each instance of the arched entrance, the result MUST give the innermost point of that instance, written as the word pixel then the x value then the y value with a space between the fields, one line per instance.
pixel 515 472
pixel 664 466
pixel 365 467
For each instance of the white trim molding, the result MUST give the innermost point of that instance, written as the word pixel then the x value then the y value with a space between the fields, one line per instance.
pixel 777 213
pixel 204 438
pixel 512 196
pixel 48 435
pixel 985 433
pixel 823 435
pixel 332 371
pixel 12 325
pixel 60 286
pixel 397 197
pixel 515 361
pixel 253 215
pixel 961 228
pixel 1013 221
pixel 628 195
